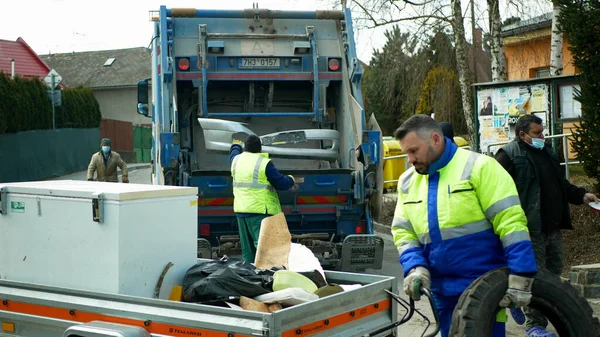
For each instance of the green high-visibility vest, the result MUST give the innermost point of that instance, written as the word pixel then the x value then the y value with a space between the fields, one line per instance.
pixel 252 191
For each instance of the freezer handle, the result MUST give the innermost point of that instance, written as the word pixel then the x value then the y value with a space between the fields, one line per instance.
pixel 98 208
pixel 3 201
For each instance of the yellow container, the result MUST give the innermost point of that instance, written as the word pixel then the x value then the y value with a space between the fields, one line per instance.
pixel 460 141
pixel 392 168
pixel 283 279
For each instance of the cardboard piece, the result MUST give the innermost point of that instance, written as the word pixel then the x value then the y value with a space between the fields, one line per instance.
pixel 274 307
pixel 274 242
pixel 252 305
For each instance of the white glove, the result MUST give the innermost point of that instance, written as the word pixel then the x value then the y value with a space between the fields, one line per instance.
pixel 518 294
pixel 418 277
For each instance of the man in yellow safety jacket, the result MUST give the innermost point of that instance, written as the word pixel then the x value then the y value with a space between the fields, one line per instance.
pixel 255 182
pixel 458 216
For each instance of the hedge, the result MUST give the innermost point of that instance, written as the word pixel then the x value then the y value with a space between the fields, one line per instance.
pixel 24 106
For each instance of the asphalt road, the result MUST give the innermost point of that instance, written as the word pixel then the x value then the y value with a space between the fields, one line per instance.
pixel 140 174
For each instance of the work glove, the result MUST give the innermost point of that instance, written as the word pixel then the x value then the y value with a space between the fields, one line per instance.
pixel 418 277
pixel 518 294
pixel 125 180
pixel 237 137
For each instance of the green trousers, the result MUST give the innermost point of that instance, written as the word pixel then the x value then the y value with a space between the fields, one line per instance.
pixel 249 229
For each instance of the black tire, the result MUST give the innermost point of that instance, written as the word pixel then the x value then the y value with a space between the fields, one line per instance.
pixel 569 313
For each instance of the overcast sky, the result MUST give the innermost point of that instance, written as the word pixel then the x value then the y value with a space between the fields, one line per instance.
pixel 59 26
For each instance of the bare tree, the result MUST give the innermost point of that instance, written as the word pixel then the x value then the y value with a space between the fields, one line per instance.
pixel 462 65
pixel 426 14
pixel 556 44
pixel 497 47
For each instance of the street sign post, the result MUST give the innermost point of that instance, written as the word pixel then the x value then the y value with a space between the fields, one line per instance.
pixel 53 80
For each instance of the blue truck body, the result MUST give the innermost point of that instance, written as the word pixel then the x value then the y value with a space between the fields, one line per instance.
pixel 274 72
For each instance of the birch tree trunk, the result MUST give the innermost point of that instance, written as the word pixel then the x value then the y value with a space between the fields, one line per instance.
pixel 556 44
pixel 497 46
pixel 462 63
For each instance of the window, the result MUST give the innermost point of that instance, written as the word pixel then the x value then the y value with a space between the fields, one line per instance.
pixel 109 62
pixel 544 72
pixel 569 107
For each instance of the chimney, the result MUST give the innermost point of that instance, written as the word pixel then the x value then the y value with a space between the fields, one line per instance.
pixel 477 41
pixel 12 68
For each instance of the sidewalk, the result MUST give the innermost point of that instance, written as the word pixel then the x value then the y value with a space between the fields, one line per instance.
pixel 82 175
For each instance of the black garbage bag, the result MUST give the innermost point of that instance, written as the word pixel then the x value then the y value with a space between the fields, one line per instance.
pixel 217 280
pixel 316 277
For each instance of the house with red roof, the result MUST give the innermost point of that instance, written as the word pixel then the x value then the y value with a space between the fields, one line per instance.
pixel 27 63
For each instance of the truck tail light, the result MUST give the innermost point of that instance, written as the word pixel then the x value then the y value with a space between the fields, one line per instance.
pixel 183 64
pixel 334 64
pixel 204 229
pixel 361 227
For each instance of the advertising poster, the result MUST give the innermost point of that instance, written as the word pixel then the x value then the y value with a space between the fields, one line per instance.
pixel 500 108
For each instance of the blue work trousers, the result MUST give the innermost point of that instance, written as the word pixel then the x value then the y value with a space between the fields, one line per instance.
pixel 445 306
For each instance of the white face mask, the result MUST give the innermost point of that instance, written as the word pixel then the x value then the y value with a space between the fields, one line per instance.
pixel 536 143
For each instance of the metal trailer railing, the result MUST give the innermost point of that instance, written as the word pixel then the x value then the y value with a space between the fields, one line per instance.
pixel 564 137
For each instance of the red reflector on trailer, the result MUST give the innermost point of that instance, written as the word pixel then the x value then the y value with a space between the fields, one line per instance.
pixel 204 229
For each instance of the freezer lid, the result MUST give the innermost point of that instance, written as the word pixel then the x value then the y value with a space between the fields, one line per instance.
pixel 90 189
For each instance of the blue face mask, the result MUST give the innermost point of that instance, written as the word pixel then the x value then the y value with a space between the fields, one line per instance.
pixel 106 149
pixel 536 143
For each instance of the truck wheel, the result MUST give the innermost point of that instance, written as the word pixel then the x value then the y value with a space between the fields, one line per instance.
pixel 569 313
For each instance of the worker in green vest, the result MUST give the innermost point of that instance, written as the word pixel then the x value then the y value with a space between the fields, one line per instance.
pixel 255 182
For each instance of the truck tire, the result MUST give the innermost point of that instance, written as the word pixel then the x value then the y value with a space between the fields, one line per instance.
pixel 569 313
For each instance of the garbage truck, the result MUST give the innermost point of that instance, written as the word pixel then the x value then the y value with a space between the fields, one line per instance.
pixel 293 79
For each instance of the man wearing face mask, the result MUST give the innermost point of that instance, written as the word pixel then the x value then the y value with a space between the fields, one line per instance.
pixel 458 217
pixel 105 163
pixel 545 195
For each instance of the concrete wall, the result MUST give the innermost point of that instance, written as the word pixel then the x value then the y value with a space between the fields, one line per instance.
pixel 120 104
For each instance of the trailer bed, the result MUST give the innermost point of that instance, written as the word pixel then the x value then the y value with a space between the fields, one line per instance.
pixel 37 310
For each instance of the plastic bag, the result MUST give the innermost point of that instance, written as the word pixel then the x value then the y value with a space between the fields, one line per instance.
pixel 301 259
pixel 216 280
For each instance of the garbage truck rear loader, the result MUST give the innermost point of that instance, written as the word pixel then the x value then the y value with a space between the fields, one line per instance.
pixel 290 77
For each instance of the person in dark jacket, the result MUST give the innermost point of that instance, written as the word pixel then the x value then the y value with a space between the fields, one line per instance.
pixel 448 131
pixel 545 195
pixel 255 185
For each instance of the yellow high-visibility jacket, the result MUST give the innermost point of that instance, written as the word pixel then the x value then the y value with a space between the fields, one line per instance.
pixel 460 221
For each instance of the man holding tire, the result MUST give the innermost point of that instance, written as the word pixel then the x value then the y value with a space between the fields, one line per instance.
pixel 458 217
pixel 545 195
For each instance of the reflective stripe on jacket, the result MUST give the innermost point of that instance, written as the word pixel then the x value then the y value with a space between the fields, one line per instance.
pixel 252 191
pixel 461 221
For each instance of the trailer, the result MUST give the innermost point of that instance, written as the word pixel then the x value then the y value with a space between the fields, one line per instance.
pixel 97 259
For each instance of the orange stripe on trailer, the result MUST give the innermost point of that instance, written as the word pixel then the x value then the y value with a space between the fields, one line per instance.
pixel 86 317
pixel 338 320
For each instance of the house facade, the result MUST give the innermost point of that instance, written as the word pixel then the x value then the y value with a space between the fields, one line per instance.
pixel 527 47
pixel 113 76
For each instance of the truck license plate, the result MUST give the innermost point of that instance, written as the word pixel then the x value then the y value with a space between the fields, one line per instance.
pixel 259 63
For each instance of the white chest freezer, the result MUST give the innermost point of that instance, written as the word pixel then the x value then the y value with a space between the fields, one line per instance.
pixel 108 237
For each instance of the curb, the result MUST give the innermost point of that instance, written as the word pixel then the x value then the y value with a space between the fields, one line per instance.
pixel 137 167
pixel 382 229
